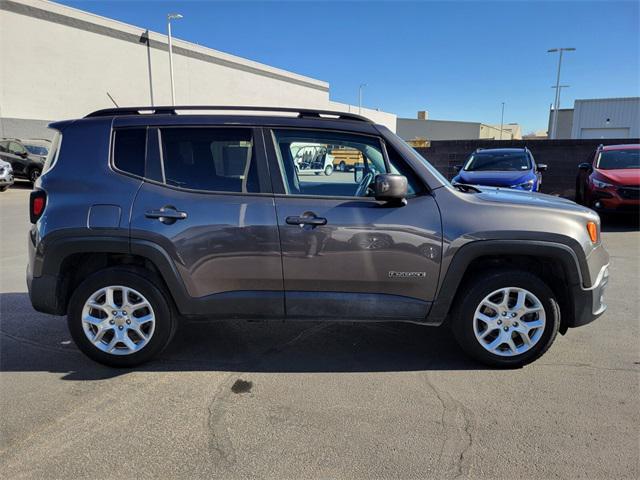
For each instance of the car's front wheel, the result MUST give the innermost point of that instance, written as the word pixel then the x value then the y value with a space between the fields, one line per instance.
pixel 328 170
pixel 120 318
pixel 506 318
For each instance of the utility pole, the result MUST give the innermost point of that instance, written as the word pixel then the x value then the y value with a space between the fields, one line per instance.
pixel 362 85
pixel 171 16
pixel 501 120
pixel 554 125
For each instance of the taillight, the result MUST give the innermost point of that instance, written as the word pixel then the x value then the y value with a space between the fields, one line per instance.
pixel 37 202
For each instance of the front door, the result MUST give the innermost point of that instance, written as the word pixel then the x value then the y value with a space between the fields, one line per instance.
pixel 344 254
pixel 207 204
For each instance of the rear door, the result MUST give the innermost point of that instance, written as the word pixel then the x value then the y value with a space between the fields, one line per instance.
pixel 345 254
pixel 206 201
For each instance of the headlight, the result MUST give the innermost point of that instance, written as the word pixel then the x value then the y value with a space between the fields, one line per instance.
pixel 524 186
pixel 600 184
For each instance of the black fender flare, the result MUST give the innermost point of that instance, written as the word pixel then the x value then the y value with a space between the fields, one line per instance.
pixel 573 263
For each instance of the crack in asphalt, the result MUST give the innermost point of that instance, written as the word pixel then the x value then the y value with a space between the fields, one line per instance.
pixel 453 460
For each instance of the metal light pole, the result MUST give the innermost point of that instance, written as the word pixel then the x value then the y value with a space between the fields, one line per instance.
pixel 558 95
pixel 554 126
pixel 171 16
pixel 362 85
pixel 501 120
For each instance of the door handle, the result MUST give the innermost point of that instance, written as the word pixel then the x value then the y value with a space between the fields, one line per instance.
pixel 306 220
pixel 166 215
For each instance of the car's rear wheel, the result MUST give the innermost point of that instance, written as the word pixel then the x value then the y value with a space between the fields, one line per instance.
pixel 34 174
pixel 119 318
pixel 328 170
pixel 4 188
pixel 506 318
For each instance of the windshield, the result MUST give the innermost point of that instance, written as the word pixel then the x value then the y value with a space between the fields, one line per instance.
pixel 415 154
pixel 509 161
pixel 619 159
pixel 36 150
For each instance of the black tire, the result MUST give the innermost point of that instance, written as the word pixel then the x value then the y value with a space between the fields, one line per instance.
pixel 342 166
pixel 476 289
pixel 165 319
pixel 4 188
pixel 34 174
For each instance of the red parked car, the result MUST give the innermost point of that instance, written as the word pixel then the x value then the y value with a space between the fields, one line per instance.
pixel 611 181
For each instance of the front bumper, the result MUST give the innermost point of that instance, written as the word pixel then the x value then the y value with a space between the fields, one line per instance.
pixel 6 179
pixel 613 200
pixel 588 303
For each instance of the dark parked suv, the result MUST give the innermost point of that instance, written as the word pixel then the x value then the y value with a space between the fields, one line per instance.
pixel 176 215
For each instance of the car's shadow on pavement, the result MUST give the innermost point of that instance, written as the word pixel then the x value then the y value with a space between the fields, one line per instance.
pixel 30 341
pixel 618 222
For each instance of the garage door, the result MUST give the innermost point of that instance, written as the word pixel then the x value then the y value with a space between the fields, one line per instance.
pixel 604 133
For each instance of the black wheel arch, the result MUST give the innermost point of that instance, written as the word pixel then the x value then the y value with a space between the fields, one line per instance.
pixel 560 264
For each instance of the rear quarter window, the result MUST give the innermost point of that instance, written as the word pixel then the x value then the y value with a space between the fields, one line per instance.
pixel 129 150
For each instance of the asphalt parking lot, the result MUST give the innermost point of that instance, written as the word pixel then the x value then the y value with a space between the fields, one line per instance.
pixel 271 400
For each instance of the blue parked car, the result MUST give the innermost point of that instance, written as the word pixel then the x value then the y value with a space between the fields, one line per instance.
pixel 502 167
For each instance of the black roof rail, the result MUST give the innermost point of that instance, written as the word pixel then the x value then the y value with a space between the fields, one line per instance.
pixel 172 110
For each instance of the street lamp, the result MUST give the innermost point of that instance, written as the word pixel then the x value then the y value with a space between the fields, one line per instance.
pixel 171 16
pixel 501 120
pixel 554 126
pixel 362 85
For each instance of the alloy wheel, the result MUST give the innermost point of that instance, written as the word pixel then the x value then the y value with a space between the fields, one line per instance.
pixel 509 321
pixel 118 320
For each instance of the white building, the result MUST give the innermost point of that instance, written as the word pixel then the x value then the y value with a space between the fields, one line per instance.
pixel 606 118
pixel 599 118
pixel 59 62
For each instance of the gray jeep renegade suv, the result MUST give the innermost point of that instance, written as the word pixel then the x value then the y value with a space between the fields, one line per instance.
pixel 143 216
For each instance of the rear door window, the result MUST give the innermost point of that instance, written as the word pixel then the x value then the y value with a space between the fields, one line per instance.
pixel 214 159
pixel 129 150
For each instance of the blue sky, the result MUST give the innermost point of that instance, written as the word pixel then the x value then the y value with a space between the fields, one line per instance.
pixel 458 60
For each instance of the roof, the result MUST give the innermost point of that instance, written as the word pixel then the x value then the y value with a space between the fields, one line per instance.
pixel 629 146
pixel 502 150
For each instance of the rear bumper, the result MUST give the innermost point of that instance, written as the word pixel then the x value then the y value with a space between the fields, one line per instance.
pixel 43 289
pixel 588 303
pixel 43 293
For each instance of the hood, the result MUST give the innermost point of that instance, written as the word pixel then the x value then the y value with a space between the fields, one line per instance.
pixel 623 176
pixel 521 197
pixel 494 178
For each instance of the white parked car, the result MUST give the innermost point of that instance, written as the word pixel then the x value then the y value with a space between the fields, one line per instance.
pixel 312 158
pixel 6 175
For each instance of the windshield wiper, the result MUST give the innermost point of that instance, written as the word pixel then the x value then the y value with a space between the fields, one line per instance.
pixel 466 188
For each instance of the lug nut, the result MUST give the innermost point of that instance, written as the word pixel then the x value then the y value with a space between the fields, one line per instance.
pixel 128 322
pixel 506 329
pixel 515 324
pixel 499 322
pixel 114 313
pixel 111 322
pixel 504 314
pixel 124 312
pixel 120 327
pixel 513 314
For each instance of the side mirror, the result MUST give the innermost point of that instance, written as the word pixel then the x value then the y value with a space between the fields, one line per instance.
pixel 391 187
pixel 542 167
pixel 586 166
pixel 457 168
